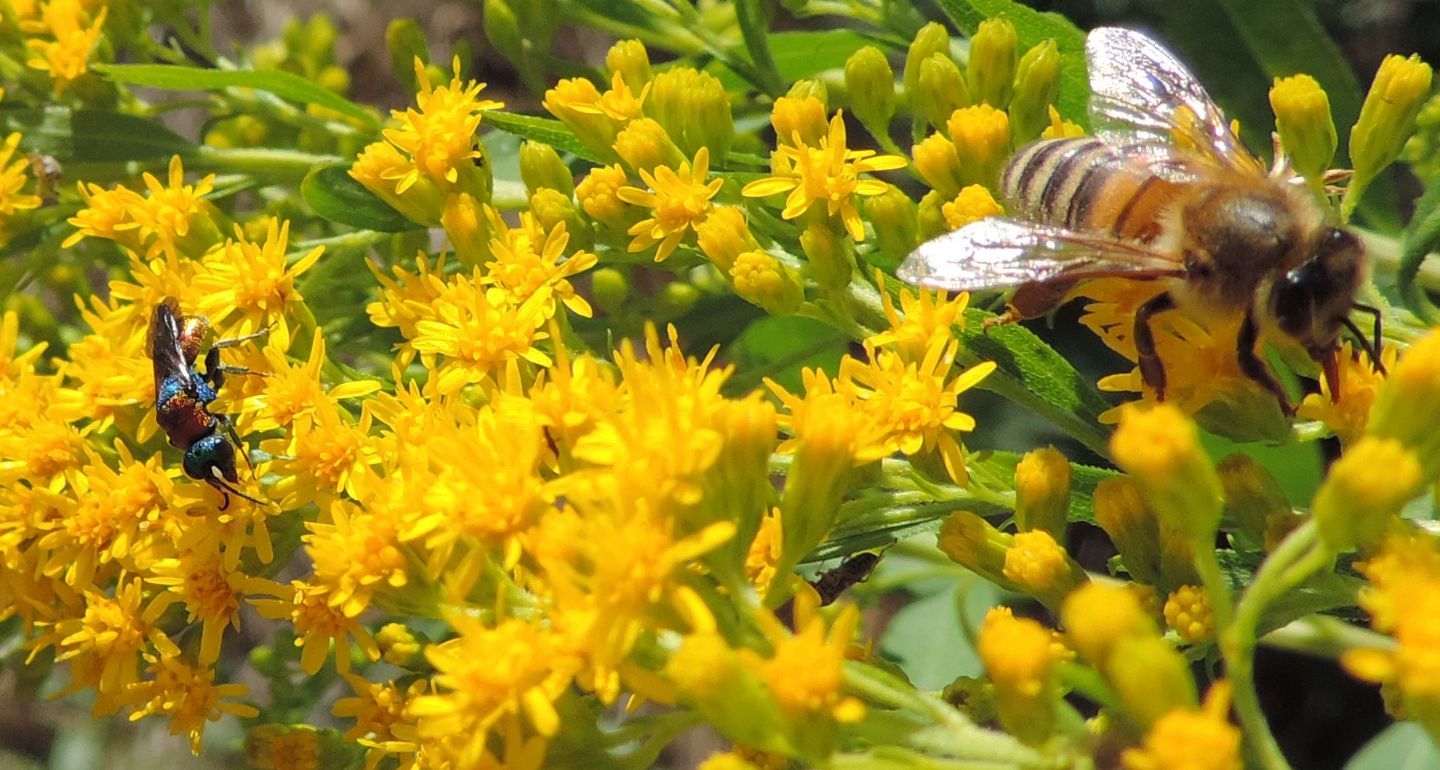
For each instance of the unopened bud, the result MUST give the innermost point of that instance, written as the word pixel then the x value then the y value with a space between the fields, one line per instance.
pixel 941 90
pixel 632 61
pixel 1037 85
pixel 871 84
pixel 832 259
pixel 1302 118
pixel 991 69
pixel 930 40
pixel 893 216
pixel 541 166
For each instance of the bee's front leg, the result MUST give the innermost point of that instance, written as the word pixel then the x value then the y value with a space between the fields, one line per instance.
pixel 1152 369
pixel 1254 367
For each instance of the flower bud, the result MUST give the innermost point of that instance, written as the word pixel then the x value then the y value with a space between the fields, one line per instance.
pixel 1407 405
pixel 1302 118
pixel 1363 492
pixel 799 119
pixel 541 166
pixel 1387 119
pixel 675 299
pixel 379 165
pixel 1252 495
pixel 941 90
pixel 930 215
pixel 982 141
pixel 694 108
pixel 632 61
pixel 1151 677
pixel 714 679
pixel 1098 616
pixel 761 280
pixel 976 545
pixel 831 259
pixel 892 214
pixel 930 40
pixel 643 145
pixel 1037 86
pixel 597 195
pixel 576 103
pixel 991 69
pixel 610 289
pixel 1020 658
pixel 552 207
pixel 1160 448
pixel 1189 615
pixel 871 84
pixel 1121 511
pixel 1040 566
pixel 938 164
pixel 467 229
pixel 1042 492
pixel 400 646
pixel 972 204
pixel 723 236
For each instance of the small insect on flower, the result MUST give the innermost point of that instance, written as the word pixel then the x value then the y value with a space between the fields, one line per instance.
pixel 1164 192
pixel 48 175
pixel 856 569
pixel 182 395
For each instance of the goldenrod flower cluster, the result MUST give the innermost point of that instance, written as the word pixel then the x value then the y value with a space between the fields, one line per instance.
pixel 509 478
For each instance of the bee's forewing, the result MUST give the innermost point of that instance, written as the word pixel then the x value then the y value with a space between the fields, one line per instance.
pixel 1140 91
pixel 999 253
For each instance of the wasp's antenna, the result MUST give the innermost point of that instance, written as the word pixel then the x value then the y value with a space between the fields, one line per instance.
pixel 227 490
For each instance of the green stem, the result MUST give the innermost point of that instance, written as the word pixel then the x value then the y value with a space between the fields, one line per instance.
pixel 1298 557
pixel 271 164
pixel 1325 637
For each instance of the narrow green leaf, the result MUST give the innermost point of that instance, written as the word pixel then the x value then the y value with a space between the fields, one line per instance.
pixel 1422 236
pixel 1032 27
pixel 282 84
pixel 799 55
pixel 93 136
pixel 405 41
pixel 751 18
pixel 336 196
pixel 1035 377
pixel 547 130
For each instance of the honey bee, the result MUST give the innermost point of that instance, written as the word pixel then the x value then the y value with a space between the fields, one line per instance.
pixel 1165 192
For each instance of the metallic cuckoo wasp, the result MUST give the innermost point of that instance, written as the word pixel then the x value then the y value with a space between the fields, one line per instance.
pixel 182 396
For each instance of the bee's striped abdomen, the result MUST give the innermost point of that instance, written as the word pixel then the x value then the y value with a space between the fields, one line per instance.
pixel 1086 185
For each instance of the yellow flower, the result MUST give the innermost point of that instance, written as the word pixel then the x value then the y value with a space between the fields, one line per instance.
pixel 172 218
pixel 938 164
pixel 972 204
pixel 680 200
pixel 1191 739
pixel 13 179
pixel 982 141
pixel 804 670
pixel 598 194
pixel 913 402
pixel 829 172
pixel 1188 613
pixel 1302 118
pixel 762 280
pixel 798 120
pixel 1042 492
pixel 1358 381
pixel 293 391
pixel 1364 490
pixel 188 695
pixel 317 624
pixel 923 315
pixel 1160 448
pixel 323 456
pixel 1097 616
pixel 256 280
pixel 1039 565
pixel 438 135
pixel 1020 656
pixel 211 593
pixel 723 236
pixel 485 674
pixel 356 553
pixel 383 722
pixel 75 34
pixel 531 260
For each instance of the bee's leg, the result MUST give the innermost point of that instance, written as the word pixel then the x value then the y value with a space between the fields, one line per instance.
pixel 1031 300
pixel 1256 369
pixel 1371 349
pixel 1152 369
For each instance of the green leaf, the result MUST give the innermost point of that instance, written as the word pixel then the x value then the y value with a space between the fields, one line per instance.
pixel 282 84
pixel 93 136
pixel 778 347
pixel 547 130
pixel 799 55
pixel 1422 236
pixel 336 196
pixel 1032 27
pixel 751 18
pixel 405 41
pixel 1402 746
pixel 1035 377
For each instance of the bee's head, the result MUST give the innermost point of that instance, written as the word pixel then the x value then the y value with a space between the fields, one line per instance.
pixel 1312 302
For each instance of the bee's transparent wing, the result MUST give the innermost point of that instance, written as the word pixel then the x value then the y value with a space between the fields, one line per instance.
pixel 1140 91
pixel 999 253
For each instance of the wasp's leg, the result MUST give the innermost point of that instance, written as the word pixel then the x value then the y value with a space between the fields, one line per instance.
pixel 1254 367
pixel 234 438
pixel 1031 300
pixel 1152 369
pixel 215 371
pixel 227 490
pixel 230 341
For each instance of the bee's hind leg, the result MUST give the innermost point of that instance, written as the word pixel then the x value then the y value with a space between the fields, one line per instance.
pixel 1255 368
pixel 1152 369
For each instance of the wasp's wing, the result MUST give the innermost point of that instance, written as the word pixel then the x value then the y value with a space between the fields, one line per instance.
pixel 1141 91
pixel 163 343
pixel 999 253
